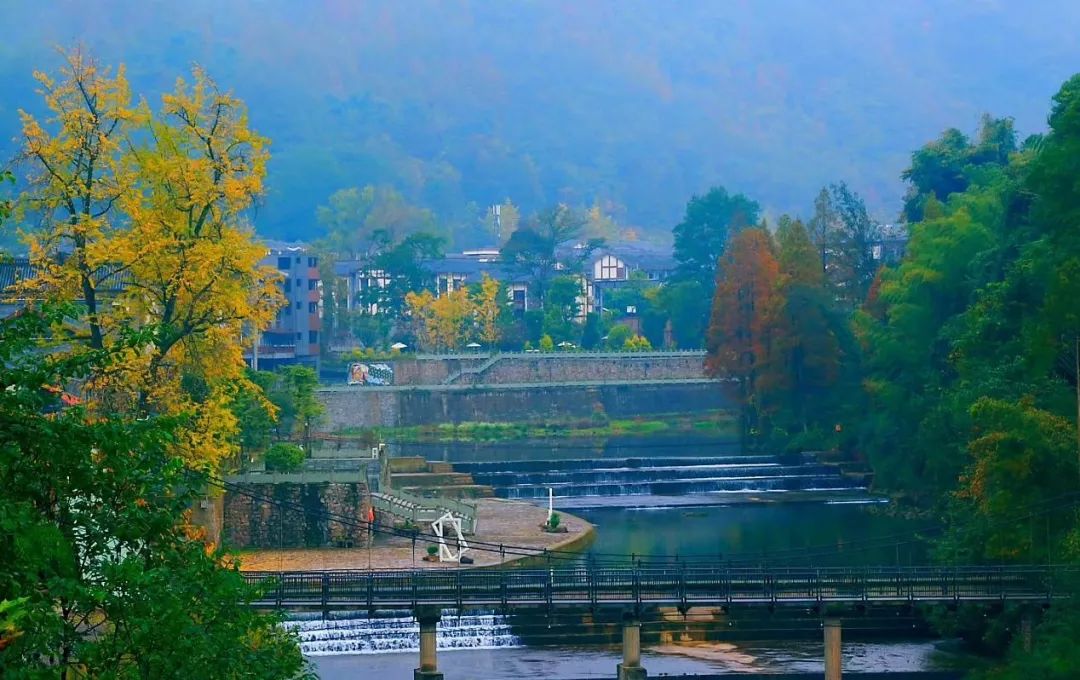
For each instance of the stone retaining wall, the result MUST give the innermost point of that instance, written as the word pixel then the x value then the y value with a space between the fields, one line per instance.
pixel 254 523
pixel 583 367
pixel 395 407
pixel 512 368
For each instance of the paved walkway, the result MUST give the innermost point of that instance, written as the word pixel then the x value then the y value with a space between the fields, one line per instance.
pixel 501 522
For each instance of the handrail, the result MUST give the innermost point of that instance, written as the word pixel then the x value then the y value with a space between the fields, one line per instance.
pixel 682 585
pixel 474 370
pixel 419 509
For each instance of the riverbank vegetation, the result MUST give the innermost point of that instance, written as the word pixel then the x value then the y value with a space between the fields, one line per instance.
pixel 717 423
pixel 953 370
pixel 120 373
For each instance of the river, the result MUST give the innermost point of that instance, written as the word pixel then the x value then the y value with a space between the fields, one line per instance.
pixel 803 533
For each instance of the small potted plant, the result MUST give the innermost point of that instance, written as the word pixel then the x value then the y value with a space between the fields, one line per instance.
pixel 553 525
pixel 432 554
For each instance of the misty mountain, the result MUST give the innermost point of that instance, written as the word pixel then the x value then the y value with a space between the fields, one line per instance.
pixel 634 104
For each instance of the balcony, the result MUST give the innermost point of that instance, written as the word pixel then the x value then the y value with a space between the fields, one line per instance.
pixel 274 352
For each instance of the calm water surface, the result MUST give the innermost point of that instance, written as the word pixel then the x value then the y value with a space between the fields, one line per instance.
pixel 794 533
pixel 599 662
pixel 782 533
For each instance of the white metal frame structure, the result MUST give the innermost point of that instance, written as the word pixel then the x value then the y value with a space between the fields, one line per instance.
pixel 440 526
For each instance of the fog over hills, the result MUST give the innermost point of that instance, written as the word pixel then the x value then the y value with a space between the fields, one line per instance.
pixel 633 104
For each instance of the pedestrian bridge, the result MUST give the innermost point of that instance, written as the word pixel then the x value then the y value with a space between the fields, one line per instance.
pixel 684 585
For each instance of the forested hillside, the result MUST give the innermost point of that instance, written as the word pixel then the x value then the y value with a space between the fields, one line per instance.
pixel 631 105
pixel 955 372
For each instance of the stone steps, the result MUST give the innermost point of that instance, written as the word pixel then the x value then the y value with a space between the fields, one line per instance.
pixel 431 479
pixel 465 491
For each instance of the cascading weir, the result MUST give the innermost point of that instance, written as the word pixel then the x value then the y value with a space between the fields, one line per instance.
pixel 398 631
pixel 661 476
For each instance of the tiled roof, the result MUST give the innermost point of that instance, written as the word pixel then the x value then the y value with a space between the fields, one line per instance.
pixel 14 271
pixel 17 270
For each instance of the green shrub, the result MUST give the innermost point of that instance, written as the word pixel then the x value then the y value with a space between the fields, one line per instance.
pixel 547 344
pixel 553 521
pixel 617 336
pixel 284 457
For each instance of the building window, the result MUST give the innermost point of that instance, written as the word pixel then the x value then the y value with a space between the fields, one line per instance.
pixel 283 262
pixel 312 284
pixel 312 307
pixel 298 304
pixel 313 337
pixel 297 259
pixel 612 269
pixel 299 335
pixel 313 262
pixel 287 285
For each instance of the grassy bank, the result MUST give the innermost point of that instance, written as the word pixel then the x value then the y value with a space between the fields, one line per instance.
pixel 717 423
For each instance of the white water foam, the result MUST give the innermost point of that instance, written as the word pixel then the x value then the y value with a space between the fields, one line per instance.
pixel 356 633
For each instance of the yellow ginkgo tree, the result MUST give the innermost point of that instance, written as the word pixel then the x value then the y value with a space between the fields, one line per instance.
pixel 76 174
pixel 165 239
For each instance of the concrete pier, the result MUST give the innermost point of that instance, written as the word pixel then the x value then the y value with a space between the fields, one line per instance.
pixel 1026 626
pixel 428 617
pixel 832 649
pixel 630 668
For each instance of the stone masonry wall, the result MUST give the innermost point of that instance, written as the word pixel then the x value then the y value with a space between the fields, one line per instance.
pixel 254 523
pixel 557 367
pixel 395 407
pixel 572 368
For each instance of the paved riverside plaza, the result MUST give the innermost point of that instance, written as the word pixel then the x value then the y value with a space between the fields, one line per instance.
pixel 510 523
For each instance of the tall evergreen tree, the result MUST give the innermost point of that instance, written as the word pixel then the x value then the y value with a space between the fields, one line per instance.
pixel 741 330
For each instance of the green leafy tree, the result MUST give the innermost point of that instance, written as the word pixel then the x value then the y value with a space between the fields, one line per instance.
pixel 359 222
pixel 112 581
pixel 850 264
pixel 643 296
pixel 617 337
pixel 301 409
pixel 546 343
pixel 686 305
pixel 547 245
pixel 590 333
pixel 945 166
pixel 702 236
pixel 254 412
pixel 533 321
pixel 284 457
pixel 402 265
pixel 562 308
pixel 808 354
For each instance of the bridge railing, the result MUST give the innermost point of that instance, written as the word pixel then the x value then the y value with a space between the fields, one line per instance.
pixel 676 584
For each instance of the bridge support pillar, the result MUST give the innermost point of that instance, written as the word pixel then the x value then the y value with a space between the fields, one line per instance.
pixel 832 649
pixel 428 617
pixel 1026 625
pixel 631 668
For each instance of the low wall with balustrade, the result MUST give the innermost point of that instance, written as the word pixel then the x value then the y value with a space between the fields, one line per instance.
pixel 540 367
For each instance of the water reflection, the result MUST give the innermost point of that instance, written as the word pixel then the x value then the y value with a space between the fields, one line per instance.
pixel 599 662
pixel 818 534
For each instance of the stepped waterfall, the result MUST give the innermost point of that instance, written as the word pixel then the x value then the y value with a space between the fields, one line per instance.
pixel 660 476
pixel 397 631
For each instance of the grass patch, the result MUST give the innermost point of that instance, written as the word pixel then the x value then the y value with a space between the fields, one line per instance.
pixel 716 423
